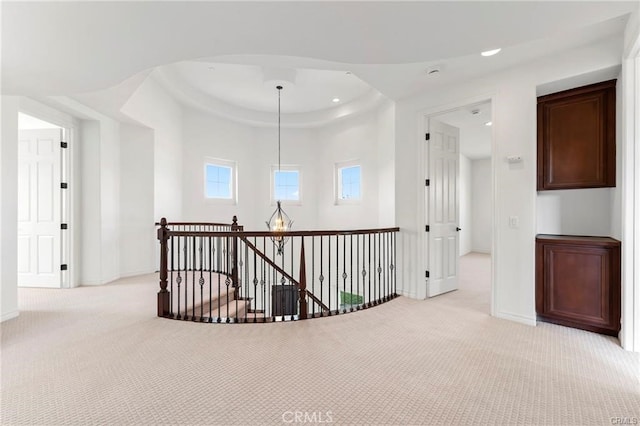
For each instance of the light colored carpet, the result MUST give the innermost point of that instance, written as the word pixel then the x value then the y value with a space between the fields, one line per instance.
pixel 98 355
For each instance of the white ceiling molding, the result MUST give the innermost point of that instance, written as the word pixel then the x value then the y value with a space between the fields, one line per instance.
pixel 197 99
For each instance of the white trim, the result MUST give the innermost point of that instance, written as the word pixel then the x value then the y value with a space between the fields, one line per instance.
pixel 409 294
pixel 272 183
pixel 9 315
pixel 481 251
pixel 635 243
pixel 337 182
pixel 630 315
pixel 44 112
pixel 218 162
pixel 517 318
pixel 199 100
pixel 136 273
pixel 422 128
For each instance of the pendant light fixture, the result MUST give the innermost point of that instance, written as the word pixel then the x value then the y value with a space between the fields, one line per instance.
pixel 279 222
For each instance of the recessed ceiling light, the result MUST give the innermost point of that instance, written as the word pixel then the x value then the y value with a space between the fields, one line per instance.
pixel 490 52
pixel 488 123
pixel 335 100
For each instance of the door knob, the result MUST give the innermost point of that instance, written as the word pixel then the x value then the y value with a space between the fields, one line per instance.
pixel 458 229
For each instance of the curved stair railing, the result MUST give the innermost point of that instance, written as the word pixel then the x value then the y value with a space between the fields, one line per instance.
pixel 219 273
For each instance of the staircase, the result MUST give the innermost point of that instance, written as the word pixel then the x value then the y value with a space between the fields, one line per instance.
pixel 217 303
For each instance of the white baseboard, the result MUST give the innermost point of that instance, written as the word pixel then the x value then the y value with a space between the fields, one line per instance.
pixel 91 282
pixel 517 318
pixel 136 273
pixel 28 285
pixel 483 251
pixel 408 294
pixel 115 278
pixel 9 315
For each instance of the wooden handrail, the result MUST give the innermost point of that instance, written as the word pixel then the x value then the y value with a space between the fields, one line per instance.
pixel 226 239
pixel 246 234
pixel 195 224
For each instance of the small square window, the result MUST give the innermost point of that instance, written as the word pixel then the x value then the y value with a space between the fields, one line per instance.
pixel 285 184
pixel 349 185
pixel 220 180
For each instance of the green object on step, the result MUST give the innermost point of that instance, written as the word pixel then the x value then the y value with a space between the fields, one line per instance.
pixel 350 298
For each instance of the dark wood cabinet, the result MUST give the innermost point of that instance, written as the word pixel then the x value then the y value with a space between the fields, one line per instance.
pixel 576 138
pixel 578 282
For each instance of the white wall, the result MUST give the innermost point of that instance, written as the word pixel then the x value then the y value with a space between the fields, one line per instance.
pixel 99 146
pixel 254 150
pixel 137 231
pixel 466 210
pixel 300 147
pixel 8 212
pixel 575 212
pixel 386 164
pixel 151 106
pixel 90 211
pixel 513 93
pixel 110 198
pixel 481 226
pixel 350 139
pixel 367 137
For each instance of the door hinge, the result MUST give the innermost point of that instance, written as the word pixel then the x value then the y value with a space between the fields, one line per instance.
pixel 426 274
pixel 64 185
pixel 63 226
pixel 63 145
pixel 427 136
pixel 426 228
pixel 63 267
pixel 427 182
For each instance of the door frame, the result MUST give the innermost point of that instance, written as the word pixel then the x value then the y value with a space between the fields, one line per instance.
pixel 70 126
pixel 630 317
pixel 423 117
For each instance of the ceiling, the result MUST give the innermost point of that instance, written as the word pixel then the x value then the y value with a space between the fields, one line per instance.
pixel 115 40
pixel 226 56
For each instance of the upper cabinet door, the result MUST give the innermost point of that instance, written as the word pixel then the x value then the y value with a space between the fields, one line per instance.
pixel 577 139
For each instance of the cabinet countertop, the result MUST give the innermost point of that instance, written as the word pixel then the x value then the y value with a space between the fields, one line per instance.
pixel 577 239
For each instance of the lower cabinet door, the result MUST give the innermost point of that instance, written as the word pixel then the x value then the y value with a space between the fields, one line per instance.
pixel 578 282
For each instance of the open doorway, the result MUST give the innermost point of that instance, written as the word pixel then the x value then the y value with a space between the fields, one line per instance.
pixel 43 244
pixel 472 124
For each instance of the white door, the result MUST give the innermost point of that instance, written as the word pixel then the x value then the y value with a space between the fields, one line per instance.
pixel 442 199
pixel 39 208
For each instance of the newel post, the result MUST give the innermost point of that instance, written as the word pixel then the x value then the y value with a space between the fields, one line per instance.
pixel 302 297
pixel 234 259
pixel 163 294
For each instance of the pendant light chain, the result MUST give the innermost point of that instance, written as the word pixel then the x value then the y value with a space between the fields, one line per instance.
pixel 279 90
pixel 279 222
